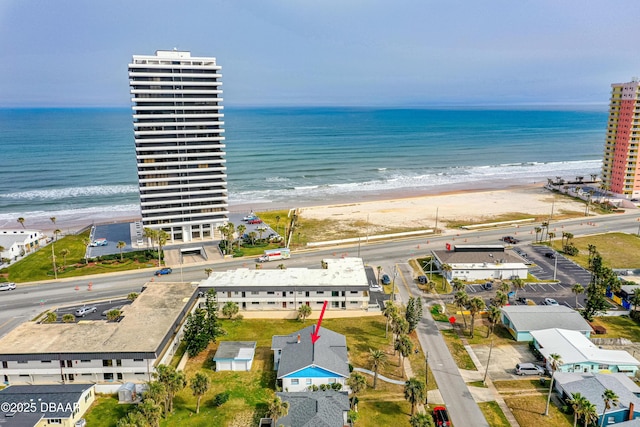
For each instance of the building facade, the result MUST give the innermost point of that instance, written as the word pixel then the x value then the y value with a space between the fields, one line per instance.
pixel 178 129
pixel 620 167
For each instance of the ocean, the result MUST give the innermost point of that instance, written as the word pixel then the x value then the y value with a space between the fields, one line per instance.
pixel 79 164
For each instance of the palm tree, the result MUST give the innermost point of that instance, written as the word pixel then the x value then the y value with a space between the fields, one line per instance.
pixel 378 359
pixel 390 310
pixel 379 268
pixel 635 300
pixel 252 237
pixel 113 314
pixel 577 289
pixel 162 238
pixel 589 414
pixel 199 385
pixel 261 230
pixel 461 299
pixel 132 296
pixel 282 266
pixel 63 253
pixel 277 409
pixel 545 226
pixel 414 392
pixel 21 221
pixel 555 363
pixel 458 285
pixel 500 300
pixel 577 402
pixel 399 326
pixel 68 318
pixel 208 271
pixel 56 232
pixel 493 315
pixel 51 317
pixel 505 287
pixel 357 382
pixel 517 283
pixel 121 245
pixel 538 230
pixel 404 347
pixel 53 220
pixel 230 309
pixel 610 399
pixel 303 312
pixel 241 229
pixel 150 234
pixel 277 222
pixel 445 269
pixel 476 304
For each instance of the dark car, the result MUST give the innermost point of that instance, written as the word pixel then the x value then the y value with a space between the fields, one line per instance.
pixel 422 279
pixel 385 279
pixel 550 255
pixel 441 417
pixel 510 239
pixel 487 286
pixel 163 271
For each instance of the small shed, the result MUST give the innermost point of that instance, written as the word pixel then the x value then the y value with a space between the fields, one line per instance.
pixel 127 393
pixel 235 355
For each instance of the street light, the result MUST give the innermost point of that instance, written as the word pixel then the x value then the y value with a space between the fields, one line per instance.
pixel 426 378
pixel 486 369
pixel 395 274
pixel 555 266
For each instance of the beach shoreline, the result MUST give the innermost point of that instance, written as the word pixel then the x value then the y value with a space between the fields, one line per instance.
pixel 412 208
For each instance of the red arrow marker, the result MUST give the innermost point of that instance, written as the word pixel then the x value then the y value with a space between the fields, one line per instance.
pixel 314 335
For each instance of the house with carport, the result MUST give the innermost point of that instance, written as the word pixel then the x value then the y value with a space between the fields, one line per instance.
pixel 592 387
pixel 520 320
pixel 579 354
pixel 303 364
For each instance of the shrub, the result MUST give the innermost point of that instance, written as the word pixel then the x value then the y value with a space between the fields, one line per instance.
pixel 336 386
pixel 221 398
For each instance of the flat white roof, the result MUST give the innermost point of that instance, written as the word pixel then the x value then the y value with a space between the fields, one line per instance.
pixel 574 347
pixel 340 272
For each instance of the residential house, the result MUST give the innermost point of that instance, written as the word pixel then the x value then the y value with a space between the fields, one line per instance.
pixel 343 284
pixel 579 354
pixel 17 243
pixel 45 405
pixel 480 262
pixel 592 387
pixel 301 363
pixel 520 320
pixel 315 409
pixel 235 355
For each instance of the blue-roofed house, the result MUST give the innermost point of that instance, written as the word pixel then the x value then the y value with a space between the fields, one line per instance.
pixel 301 364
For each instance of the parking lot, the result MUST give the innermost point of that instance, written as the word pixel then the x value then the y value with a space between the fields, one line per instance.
pixel 100 308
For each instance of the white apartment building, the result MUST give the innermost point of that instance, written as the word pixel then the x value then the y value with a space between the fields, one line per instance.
pixel 98 351
pixel 178 127
pixel 343 284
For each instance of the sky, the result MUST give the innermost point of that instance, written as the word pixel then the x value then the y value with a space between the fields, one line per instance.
pixel 74 53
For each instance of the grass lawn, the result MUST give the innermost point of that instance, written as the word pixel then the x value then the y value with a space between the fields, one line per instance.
pixel 609 246
pixel 493 414
pixel 528 411
pixel 106 411
pixel 457 350
pixel 519 386
pixel 618 327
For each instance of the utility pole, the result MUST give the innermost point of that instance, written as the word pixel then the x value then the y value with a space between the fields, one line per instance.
pixel 555 266
pixel 436 227
pixel 426 378
pixel 395 274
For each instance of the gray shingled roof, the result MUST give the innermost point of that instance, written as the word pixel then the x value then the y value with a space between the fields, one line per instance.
pixel 240 350
pixel 64 396
pixel 538 317
pixel 329 352
pixel 592 386
pixel 315 408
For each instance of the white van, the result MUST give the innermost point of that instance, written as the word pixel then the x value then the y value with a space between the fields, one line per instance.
pixel 529 369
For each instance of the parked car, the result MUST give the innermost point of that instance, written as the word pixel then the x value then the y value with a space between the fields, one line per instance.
pixel 81 423
pixel 385 279
pixel 529 369
pixel 163 271
pixel 249 217
pixel 487 286
pixel 422 280
pixel 375 288
pixel 254 221
pixel 441 417
pixel 83 311
pixel 550 301
pixel 550 255
pixel 7 286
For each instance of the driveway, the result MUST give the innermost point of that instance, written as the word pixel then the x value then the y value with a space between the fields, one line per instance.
pixel 504 359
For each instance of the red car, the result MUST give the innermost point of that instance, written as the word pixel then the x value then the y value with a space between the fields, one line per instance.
pixel 255 221
pixel 441 417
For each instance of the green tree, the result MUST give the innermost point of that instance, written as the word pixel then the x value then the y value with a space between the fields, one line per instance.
pixel 635 300
pixel 404 347
pixel 277 409
pixel 230 309
pixel 390 310
pixel 500 300
pixel 458 285
pixel 378 359
pixel 610 399
pixel 413 313
pixel 282 267
pixel 121 245
pixel 445 269
pixel 504 287
pixel 151 412
pixel 590 414
pixel 461 300
pixel 196 336
pixel 157 392
pixel 537 230
pixel 55 233
pixel 132 296
pixel 53 220
pixel 577 289
pixel 51 317
pixel 493 315
pixel 150 234
pixel 162 238
pixel 357 382
pixel 414 393
pixel 304 311
pixel 241 228
pixel 113 314
pixel 555 361
pixel 261 231
pixel 21 221
pixel 199 386
pixel 208 271
pixel 421 420
pixel 68 318
pixel 399 326
pixel 476 304
pixel 577 403
pixel 214 330
pixel 64 253
pixel 517 283
pixel 172 380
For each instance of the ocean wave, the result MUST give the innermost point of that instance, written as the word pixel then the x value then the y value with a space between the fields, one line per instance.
pixel 71 192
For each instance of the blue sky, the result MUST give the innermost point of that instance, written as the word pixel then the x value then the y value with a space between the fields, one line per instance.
pixel 347 52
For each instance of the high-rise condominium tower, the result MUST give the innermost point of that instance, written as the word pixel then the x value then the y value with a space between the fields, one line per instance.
pixel 620 166
pixel 178 125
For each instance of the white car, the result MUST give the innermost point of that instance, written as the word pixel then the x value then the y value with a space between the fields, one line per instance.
pixel 7 286
pixel 250 217
pixel 83 311
pixel 550 301
pixel 375 288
